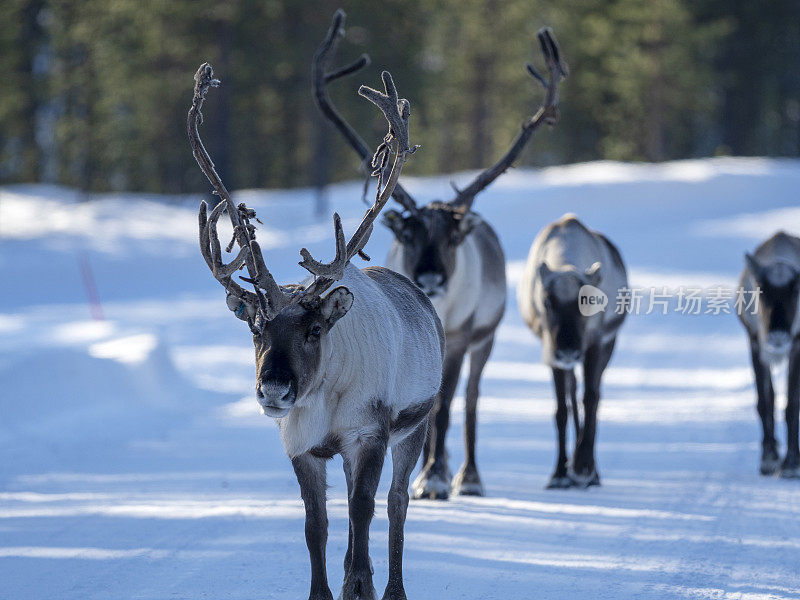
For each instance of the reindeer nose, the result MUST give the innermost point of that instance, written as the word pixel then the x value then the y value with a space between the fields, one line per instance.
pixel 568 356
pixel 274 392
pixel 430 283
pixel 276 398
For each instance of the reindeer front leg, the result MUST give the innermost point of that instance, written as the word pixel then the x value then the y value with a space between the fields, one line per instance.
pixel 311 475
pixel 584 469
pixel 404 456
pixel 791 464
pixel 559 478
pixel 365 462
pixel 434 479
pixel 766 410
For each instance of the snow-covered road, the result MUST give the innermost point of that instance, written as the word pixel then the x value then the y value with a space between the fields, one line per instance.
pixel 135 463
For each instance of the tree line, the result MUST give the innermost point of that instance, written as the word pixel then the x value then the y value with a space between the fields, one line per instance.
pixel 96 92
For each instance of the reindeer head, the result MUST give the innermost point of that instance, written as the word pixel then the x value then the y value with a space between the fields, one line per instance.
pixel 779 283
pixel 565 327
pixel 290 324
pixel 290 348
pixel 430 236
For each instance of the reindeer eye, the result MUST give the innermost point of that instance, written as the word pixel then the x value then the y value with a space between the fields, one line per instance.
pixel 315 331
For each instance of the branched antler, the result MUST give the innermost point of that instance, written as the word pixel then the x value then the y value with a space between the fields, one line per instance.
pixel 397 113
pixel 249 254
pixel 322 58
pixel 547 113
pixel 210 246
pixel 333 270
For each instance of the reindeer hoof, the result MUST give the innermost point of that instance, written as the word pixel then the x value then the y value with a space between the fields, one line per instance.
pixel 559 482
pixel 584 479
pixel 394 594
pixel 789 471
pixel 358 588
pixel 467 482
pixel 431 486
pixel 769 464
pixel 467 489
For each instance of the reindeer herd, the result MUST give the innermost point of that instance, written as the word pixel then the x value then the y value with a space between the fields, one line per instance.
pixel 374 362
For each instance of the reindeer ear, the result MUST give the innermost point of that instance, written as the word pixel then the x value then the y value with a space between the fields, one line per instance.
pixel 243 310
pixel 593 274
pixel 468 223
pixel 394 221
pixel 336 304
pixel 756 270
pixel 544 273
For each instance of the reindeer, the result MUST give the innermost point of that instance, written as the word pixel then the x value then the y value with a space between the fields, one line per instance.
pixel 563 295
pixel 455 257
pixel 773 272
pixel 350 372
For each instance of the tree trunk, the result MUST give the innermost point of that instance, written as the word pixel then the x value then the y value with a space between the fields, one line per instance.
pixel 481 112
pixel 31 42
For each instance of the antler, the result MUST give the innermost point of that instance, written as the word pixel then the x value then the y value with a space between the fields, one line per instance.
pixel 320 79
pixel 250 253
pixel 397 113
pixel 547 113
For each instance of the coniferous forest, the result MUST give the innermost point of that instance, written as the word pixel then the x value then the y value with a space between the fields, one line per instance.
pixel 95 93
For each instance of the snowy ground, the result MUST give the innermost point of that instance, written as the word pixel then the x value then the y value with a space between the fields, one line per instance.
pixel 135 464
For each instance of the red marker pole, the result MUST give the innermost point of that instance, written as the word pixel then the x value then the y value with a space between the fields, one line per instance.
pixel 90 286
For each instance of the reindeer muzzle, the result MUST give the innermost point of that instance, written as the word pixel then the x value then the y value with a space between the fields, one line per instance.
pixel 276 398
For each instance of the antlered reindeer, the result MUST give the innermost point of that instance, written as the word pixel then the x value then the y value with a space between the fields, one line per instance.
pixel 454 256
pixel 565 257
pixel 350 372
pixel 774 332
